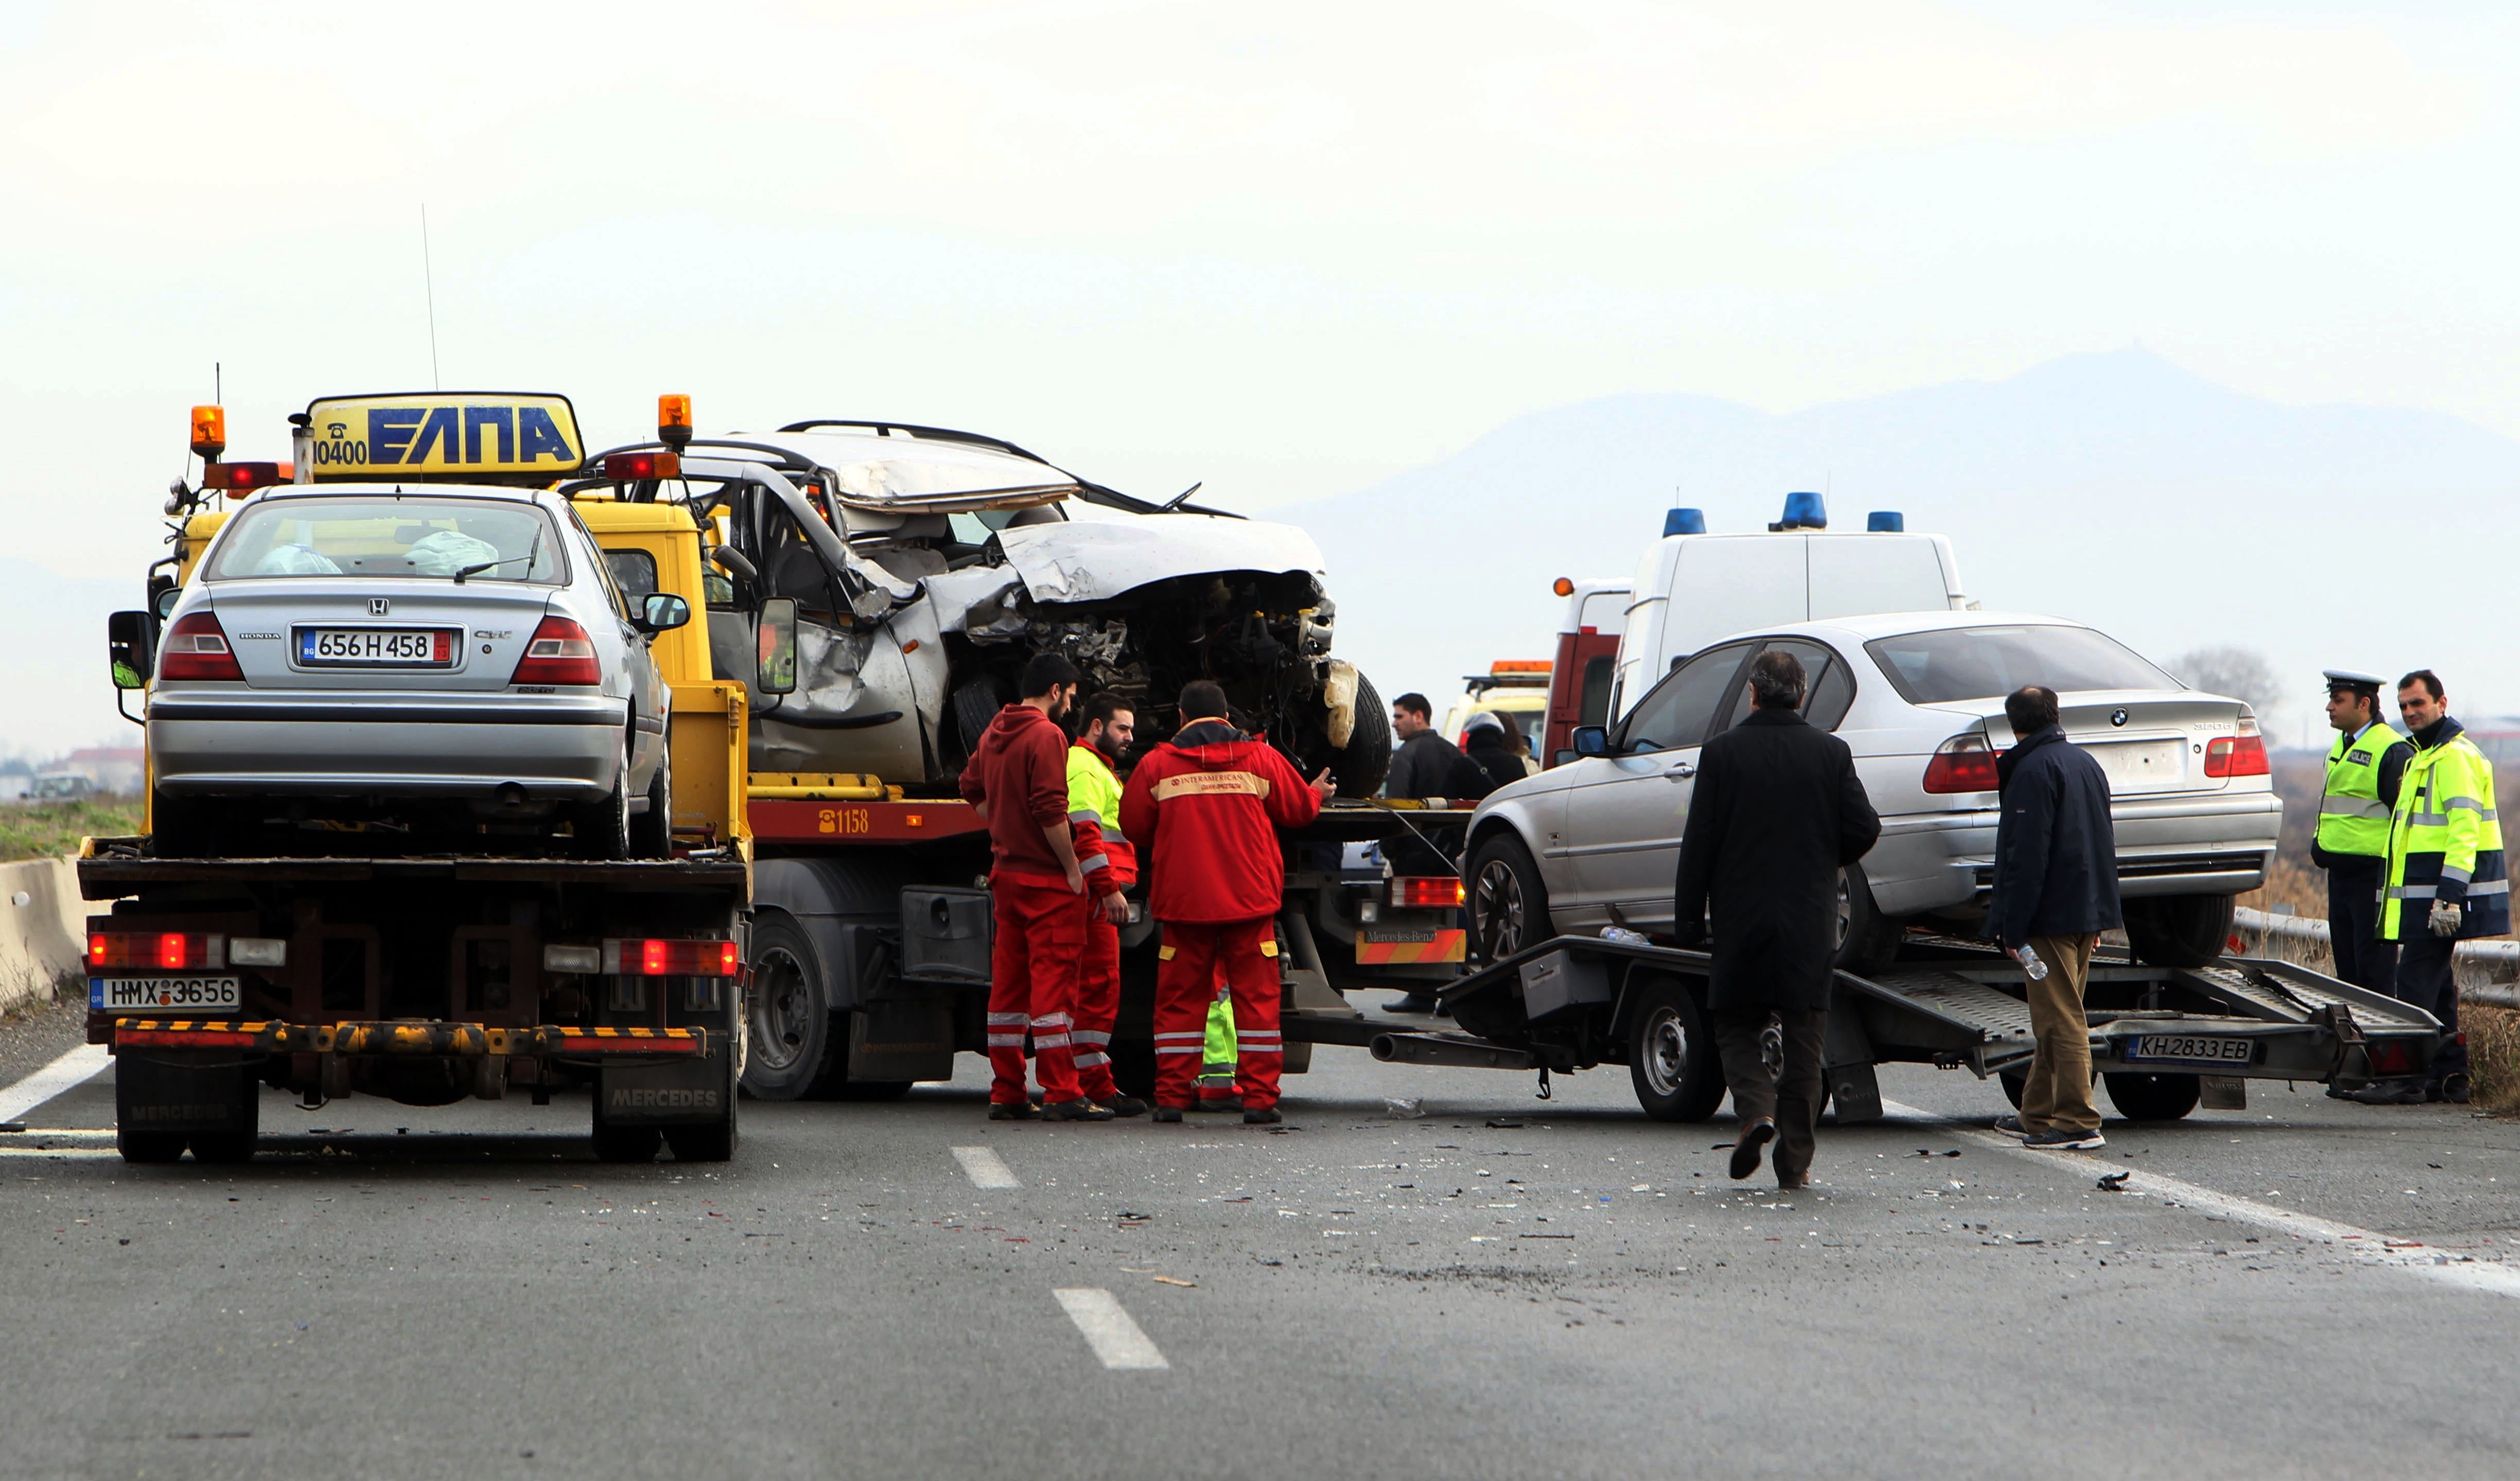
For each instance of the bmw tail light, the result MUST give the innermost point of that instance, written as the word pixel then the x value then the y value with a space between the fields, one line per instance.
pixel 1964 763
pixel 561 652
pixel 196 648
pixel 164 950
pixel 2242 754
pixel 660 957
pixel 1425 892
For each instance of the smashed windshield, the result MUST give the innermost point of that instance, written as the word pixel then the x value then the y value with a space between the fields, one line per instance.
pixel 373 536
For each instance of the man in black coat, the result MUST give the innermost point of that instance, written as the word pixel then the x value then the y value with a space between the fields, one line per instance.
pixel 2055 890
pixel 1776 813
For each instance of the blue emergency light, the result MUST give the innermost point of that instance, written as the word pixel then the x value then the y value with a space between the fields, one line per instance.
pixel 1683 521
pixel 1885 522
pixel 1803 511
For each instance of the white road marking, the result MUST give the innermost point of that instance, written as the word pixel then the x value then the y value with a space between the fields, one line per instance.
pixel 2366 1246
pixel 1114 1336
pixel 73 1154
pixel 68 1072
pixel 986 1168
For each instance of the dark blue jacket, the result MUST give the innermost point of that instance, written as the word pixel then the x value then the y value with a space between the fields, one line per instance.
pixel 2055 854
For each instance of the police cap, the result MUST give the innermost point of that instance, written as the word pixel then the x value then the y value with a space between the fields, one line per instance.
pixel 2339 677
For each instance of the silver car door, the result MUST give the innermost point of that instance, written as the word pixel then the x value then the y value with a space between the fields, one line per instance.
pixel 1623 819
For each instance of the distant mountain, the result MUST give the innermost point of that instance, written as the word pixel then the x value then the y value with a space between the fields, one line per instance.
pixel 2112 488
pixel 53 627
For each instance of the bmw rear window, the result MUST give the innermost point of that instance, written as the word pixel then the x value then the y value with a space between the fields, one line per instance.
pixel 410 535
pixel 1956 663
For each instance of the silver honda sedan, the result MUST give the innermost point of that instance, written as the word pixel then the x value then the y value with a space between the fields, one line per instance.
pixel 1919 697
pixel 447 665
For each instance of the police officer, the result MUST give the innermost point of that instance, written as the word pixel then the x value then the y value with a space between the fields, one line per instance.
pixel 2446 880
pixel 2363 767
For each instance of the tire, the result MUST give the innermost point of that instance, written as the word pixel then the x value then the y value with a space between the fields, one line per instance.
pixel 796 1049
pixel 1367 758
pixel 652 833
pixel 603 829
pixel 2152 1097
pixel 2178 931
pixel 975 705
pixel 1867 941
pixel 1672 1058
pixel 1508 902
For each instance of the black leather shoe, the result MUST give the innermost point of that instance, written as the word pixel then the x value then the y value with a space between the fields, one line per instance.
pixel 1123 1106
pixel 1746 1151
pixel 2392 1092
pixel 1266 1115
pixel 1078 1110
pixel 1013 1111
pixel 1168 1114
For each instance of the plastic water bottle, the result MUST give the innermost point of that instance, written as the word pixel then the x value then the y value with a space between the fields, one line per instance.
pixel 1625 937
pixel 2027 957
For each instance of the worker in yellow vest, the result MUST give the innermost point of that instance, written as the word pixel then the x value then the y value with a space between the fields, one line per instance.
pixel 2352 845
pixel 2446 880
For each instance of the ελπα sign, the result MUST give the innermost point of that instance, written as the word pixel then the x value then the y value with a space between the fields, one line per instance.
pixel 464 433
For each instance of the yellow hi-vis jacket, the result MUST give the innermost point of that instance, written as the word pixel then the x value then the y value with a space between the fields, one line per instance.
pixel 2353 817
pixel 2445 842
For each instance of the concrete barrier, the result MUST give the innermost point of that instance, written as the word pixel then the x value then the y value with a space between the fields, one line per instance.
pixel 43 931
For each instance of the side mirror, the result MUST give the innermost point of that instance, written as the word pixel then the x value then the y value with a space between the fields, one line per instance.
pixel 662 612
pixel 777 636
pixel 1592 740
pixel 126 642
pixel 166 599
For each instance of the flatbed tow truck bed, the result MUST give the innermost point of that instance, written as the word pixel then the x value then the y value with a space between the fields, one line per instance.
pixel 2162 1038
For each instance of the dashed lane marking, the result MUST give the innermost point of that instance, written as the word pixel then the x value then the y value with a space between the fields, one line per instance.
pixel 2366 1246
pixel 986 1168
pixel 66 1073
pixel 1115 1337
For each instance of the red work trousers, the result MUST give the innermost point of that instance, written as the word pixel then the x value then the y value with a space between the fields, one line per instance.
pixel 1032 981
pixel 1097 1002
pixel 1244 952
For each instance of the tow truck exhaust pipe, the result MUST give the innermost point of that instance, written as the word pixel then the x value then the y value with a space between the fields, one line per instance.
pixel 1443 1049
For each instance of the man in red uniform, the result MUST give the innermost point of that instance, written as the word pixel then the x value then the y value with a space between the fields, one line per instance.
pixel 1110 863
pixel 1203 811
pixel 1018 779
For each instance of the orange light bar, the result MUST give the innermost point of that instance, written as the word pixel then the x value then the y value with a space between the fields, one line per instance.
pixel 170 951
pixel 674 421
pixel 209 431
pixel 243 477
pixel 1519 666
pixel 1563 586
pixel 656 958
pixel 1425 892
pixel 630 468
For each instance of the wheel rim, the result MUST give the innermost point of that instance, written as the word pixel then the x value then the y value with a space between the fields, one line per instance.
pixel 1497 909
pixel 1845 909
pixel 1666 1057
pixel 781 1005
pixel 1772 1048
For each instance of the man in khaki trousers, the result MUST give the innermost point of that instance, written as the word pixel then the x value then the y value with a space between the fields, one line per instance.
pixel 2055 890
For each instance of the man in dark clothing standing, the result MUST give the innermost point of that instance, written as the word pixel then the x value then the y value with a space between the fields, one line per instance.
pixel 1488 740
pixel 1428 764
pixel 1776 813
pixel 2055 890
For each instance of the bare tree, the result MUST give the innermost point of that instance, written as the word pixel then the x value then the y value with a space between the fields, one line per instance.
pixel 2228 669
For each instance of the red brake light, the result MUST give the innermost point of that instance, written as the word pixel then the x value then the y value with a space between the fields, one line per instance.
pixel 559 653
pixel 630 468
pixel 658 957
pixel 1425 892
pixel 243 477
pixel 166 951
pixel 2236 757
pixel 1961 764
pixel 196 648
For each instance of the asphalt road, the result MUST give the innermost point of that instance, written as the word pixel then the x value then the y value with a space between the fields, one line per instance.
pixel 1500 1287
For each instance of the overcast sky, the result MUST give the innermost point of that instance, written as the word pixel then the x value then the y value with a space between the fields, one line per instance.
pixel 1287 251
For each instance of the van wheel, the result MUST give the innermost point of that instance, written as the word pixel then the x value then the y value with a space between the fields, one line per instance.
pixel 1867 941
pixel 652 833
pixel 1672 1057
pixel 1509 903
pixel 603 829
pixel 1366 760
pixel 976 706
pixel 2152 1097
pixel 792 1044
pixel 2178 931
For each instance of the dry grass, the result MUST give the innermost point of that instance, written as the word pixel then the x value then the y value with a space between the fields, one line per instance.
pixel 2493 1056
pixel 44 830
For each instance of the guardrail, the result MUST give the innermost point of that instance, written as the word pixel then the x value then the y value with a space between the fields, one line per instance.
pixel 2490 970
